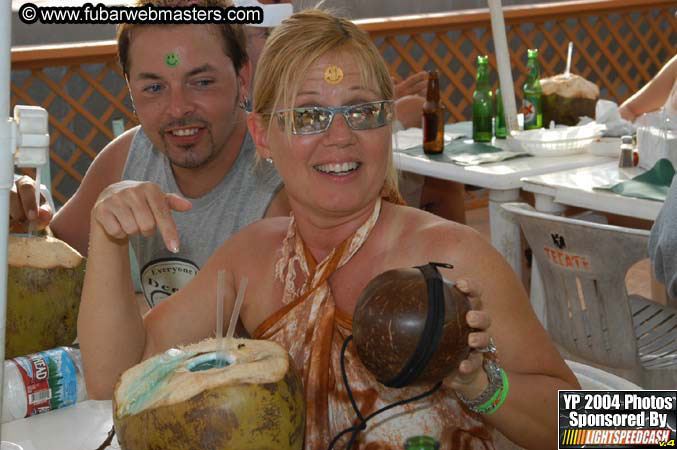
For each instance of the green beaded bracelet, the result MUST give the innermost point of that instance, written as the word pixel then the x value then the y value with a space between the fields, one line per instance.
pixel 491 392
pixel 492 406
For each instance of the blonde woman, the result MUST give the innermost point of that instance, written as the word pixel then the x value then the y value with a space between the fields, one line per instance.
pixel 323 114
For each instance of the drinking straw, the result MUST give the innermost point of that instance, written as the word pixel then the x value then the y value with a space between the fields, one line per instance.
pixel 569 52
pixel 31 224
pixel 220 287
pixel 236 309
pixel 503 63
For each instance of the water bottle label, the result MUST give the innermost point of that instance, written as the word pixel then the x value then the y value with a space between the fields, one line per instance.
pixel 50 380
pixel 530 110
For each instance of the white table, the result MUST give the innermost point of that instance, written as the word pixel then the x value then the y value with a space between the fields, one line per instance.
pixel 503 180
pixel 83 426
pixel 575 187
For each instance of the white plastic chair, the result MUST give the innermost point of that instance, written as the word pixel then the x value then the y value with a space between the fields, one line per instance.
pixel 589 314
pixel 597 379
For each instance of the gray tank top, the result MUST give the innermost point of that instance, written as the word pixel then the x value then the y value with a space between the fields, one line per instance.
pixel 241 198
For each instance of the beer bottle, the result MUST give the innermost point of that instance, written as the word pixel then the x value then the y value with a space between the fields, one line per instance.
pixel 433 123
pixel 500 116
pixel 421 443
pixel 482 103
pixel 532 105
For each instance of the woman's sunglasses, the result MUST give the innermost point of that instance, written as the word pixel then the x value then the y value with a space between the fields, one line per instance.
pixel 317 119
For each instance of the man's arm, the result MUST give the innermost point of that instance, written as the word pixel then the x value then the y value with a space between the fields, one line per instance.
pixel 663 243
pixel 653 95
pixel 113 335
pixel 279 205
pixel 71 223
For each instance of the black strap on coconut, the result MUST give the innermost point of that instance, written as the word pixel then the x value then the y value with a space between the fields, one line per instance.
pixel 432 330
pixel 427 344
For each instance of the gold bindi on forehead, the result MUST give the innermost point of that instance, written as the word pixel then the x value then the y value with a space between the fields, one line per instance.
pixel 333 74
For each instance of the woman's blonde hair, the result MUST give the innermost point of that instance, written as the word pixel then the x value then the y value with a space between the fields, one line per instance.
pixel 295 45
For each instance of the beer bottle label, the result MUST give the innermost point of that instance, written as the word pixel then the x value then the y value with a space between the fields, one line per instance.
pixel 530 110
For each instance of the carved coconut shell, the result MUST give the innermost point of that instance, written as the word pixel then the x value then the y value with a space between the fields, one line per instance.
pixel 254 403
pixel 389 319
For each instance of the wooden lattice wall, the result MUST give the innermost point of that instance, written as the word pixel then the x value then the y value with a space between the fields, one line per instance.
pixel 619 44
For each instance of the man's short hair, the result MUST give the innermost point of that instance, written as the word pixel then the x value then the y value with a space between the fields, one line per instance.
pixel 234 40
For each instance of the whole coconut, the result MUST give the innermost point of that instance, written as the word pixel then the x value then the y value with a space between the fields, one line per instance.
pixel 184 399
pixel 44 284
pixel 389 319
pixel 567 97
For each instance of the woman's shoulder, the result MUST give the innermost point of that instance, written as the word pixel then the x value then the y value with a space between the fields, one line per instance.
pixel 428 235
pixel 260 235
pixel 425 225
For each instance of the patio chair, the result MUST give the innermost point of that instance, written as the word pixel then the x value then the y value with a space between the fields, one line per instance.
pixel 590 316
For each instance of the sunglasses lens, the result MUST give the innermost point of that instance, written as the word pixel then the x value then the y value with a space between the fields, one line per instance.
pixel 310 120
pixel 369 115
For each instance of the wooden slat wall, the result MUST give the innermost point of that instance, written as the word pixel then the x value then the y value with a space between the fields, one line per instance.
pixel 619 44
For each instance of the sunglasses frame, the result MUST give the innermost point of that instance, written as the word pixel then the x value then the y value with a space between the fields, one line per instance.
pixel 333 110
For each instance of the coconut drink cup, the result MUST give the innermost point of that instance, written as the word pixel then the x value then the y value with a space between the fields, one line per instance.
pixel 409 327
pixel 247 397
pixel 44 284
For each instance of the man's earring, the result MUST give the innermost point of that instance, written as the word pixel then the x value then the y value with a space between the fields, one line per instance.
pixel 245 104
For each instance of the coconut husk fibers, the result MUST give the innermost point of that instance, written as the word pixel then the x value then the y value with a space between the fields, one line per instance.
pixel 566 98
pixel 255 403
pixel 44 285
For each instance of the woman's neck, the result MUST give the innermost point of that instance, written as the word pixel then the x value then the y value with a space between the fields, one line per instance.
pixel 322 234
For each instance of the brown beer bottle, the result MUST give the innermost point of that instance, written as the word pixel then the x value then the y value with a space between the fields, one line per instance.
pixel 433 123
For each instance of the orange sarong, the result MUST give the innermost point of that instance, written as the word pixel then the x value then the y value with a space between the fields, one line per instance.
pixel 313 330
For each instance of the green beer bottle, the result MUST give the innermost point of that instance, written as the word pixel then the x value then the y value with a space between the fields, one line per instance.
pixel 421 443
pixel 532 105
pixel 500 116
pixel 482 103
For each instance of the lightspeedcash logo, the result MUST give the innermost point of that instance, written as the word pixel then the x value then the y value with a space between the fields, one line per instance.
pixel 148 14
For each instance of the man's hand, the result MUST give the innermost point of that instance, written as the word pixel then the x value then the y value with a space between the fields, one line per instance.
pixel 415 84
pixel 409 110
pixel 23 209
pixel 129 208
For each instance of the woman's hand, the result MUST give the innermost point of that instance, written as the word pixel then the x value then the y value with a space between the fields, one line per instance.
pixel 470 378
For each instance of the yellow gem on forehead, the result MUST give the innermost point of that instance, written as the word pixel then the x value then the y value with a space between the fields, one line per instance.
pixel 333 74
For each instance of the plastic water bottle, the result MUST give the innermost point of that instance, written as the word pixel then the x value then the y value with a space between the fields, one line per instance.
pixel 41 382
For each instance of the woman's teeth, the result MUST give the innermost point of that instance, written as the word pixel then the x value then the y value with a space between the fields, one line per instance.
pixel 338 168
pixel 185 132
